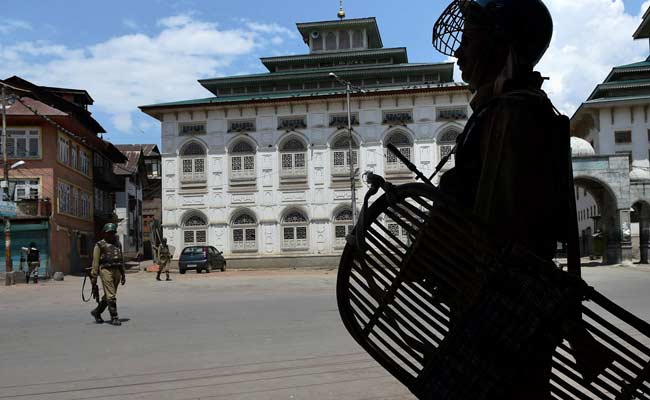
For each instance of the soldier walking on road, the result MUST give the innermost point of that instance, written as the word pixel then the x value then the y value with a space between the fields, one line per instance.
pixel 33 263
pixel 164 257
pixel 108 264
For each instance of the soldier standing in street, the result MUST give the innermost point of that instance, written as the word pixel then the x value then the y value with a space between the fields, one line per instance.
pixel 33 263
pixel 108 264
pixel 164 257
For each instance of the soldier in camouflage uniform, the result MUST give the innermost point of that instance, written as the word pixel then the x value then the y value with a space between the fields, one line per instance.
pixel 164 257
pixel 108 264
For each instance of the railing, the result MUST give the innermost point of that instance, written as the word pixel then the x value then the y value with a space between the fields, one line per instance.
pixel 188 177
pixel 290 244
pixel 243 174
pixel 244 246
pixel 295 172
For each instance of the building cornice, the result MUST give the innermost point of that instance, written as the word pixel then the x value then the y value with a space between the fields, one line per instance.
pixel 156 110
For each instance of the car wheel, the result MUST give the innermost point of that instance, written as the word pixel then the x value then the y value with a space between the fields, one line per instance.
pixel 223 266
pixel 198 270
pixel 208 269
pixel 181 271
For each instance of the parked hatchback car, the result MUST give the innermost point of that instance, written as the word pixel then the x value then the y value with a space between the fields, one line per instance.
pixel 201 258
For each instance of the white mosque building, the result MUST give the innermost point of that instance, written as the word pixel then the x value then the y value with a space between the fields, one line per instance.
pixel 261 170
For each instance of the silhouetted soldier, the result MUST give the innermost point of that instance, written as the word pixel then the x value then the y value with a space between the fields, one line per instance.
pixel 504 166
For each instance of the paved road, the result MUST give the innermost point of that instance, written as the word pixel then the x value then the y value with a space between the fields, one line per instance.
pixel 232 335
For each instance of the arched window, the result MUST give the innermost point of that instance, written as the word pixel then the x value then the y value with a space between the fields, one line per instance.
pixel 293 156
pixel 193 162
pixel 344 40
pixel 317 43
pixel 357 39
pixel 294 231
pixel 403 143
pixel 244 233
pixel 195 230
pixel 397 232
pixel 446 143
pixel 341 155
pixel 242 161
pixel 330 41
pixel 342 226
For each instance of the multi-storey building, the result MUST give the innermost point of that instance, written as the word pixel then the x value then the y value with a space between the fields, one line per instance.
pixel 261 170
pixel 128 201
pixel 615 121
pixel 151 192
pixel 52 130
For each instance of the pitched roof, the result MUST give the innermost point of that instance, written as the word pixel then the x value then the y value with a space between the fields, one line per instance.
pixel 19 109
pixel 148 150
pixel 130 167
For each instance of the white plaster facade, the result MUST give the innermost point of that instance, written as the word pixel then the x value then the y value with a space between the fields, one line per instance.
pixel 220 202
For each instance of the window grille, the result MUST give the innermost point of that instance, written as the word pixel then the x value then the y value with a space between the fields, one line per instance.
pixel 294 228
pixel 242 165
pixel 292 123
pixel 193 163
pixel 244 233
pixel 293 159
pixel 195 230
pixel 451 114
pixel 341 120
pixel 342 227
pixel 403 144
pixel 446 143
pixel 192 128
pixel 241 126
pixel 398 117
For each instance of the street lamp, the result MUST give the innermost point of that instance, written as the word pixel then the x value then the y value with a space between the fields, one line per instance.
pixel 348 91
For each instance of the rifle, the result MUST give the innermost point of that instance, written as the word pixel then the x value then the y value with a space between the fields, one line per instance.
pixel 94 291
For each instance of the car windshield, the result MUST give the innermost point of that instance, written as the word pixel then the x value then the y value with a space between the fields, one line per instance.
pixel 192 251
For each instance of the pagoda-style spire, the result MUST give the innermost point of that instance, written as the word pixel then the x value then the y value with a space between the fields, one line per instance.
pixel 341 13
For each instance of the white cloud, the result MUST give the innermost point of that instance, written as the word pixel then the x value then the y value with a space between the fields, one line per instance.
pixel 9 25
pixel 129 23
pixel 590 38
pixel 126 71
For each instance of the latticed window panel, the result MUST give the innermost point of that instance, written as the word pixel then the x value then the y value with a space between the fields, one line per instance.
pixel 244 219
pixel 195 220
pixel 398 231
pixel 242 167
pixel 293 165
pixel 193 149
pixel 243 147
pixel 393 163
pixel 294 217
pixel 294 237
pixel 244 239
pixel 201 237
pixel 188 237
pixel 199 166
pixel 193 169
pixel 293 145
pixel 340 234
pixel 341 161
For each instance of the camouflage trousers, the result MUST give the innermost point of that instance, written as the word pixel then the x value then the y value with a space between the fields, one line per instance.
pixel 111 278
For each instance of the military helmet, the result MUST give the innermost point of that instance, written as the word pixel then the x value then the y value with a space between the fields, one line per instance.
pixel 525 24
pixel 110 227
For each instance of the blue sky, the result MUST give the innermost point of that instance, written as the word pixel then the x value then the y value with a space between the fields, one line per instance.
pixel 130 53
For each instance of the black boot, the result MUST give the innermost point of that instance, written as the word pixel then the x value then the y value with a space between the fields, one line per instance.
pixel 158 276
pixel 168 278
pixel 36 279
pixel 97 312
pixel 112 308
pixel 27 277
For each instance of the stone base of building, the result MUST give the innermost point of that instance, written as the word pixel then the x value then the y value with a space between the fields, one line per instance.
pixel 278 262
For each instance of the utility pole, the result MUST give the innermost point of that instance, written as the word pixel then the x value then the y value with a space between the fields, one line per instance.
pixel 351 161
pixel 348 89
pixel 8 264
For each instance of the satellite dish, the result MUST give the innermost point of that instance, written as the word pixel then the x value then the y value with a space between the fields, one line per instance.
pixel 315 35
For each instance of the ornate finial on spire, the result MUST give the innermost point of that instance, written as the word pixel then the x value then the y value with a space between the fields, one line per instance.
pixel 341 13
